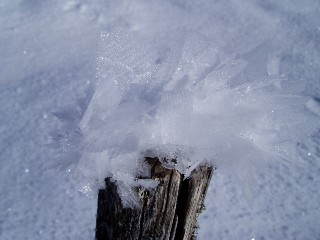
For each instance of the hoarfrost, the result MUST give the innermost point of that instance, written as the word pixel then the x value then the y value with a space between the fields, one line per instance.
pixel 179 97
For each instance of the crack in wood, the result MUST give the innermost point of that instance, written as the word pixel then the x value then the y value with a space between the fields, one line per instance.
pixel 142 216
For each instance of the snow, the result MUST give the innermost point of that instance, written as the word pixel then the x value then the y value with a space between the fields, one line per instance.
pixel 48 61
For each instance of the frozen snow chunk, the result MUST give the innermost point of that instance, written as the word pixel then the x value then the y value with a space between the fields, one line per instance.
pixel 273 66
pixel 314 106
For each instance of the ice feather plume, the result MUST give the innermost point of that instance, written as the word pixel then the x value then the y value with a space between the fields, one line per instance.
pixel 179 97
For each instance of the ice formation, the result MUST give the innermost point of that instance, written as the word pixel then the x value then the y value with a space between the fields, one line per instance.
pixel 179 97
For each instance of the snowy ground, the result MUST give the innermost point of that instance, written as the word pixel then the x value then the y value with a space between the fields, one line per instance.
pixel 48 51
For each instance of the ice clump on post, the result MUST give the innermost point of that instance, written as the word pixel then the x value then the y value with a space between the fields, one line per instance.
pixel 179 97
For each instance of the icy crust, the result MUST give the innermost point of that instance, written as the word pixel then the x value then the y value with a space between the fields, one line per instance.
pixel 179 97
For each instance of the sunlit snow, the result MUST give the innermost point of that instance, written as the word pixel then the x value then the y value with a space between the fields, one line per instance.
pixel 210 80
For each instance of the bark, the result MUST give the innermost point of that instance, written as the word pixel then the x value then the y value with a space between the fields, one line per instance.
pixel 170 211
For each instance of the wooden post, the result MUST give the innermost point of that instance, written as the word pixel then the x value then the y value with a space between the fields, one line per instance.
pixel 169 211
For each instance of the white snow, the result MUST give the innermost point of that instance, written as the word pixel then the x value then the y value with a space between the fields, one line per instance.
pixel 48 64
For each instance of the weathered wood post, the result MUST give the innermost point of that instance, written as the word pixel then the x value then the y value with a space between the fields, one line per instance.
pixel 169 211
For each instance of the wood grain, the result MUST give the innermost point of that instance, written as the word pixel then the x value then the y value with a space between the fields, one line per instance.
pixel 170 211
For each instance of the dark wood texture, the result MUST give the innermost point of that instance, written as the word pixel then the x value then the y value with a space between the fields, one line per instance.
pixel 170 211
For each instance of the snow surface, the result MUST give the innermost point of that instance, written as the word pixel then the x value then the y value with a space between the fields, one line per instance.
pixel 48 61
